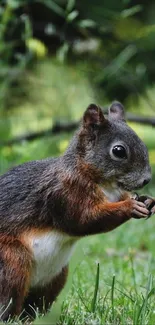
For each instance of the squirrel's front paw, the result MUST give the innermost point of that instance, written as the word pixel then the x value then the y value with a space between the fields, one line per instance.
pixel 149 203
pixel 139 210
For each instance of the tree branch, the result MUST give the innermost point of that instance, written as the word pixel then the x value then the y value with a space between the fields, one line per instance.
pixel 141 119
pixel 68 127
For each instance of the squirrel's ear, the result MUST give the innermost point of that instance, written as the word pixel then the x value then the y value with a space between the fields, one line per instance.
pixel 116 111
pixel 93 116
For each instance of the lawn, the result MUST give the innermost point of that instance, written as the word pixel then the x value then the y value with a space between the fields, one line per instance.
pixel 111 277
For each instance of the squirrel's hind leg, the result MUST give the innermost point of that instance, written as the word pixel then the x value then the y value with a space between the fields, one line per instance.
pixel 15 269
pixel 41 299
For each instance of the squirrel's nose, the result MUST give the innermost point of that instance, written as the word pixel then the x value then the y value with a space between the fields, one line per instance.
pixel 146 181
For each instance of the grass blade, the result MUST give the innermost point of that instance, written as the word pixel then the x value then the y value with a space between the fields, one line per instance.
pixel 133 274
pixel 148 290
pixel 112 298
pixel 93 304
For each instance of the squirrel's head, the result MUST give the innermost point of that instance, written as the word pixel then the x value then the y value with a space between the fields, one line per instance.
pixel 113 148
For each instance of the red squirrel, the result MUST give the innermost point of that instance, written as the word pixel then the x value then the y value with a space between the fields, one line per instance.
pixel 47 205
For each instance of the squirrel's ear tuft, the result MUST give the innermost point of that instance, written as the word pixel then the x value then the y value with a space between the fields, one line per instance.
pixel 116 111
pixel 93 116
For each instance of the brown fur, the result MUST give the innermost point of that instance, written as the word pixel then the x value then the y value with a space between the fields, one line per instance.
pixel 89 210
pixel 27 236
pixel 16 262
pixel 42 298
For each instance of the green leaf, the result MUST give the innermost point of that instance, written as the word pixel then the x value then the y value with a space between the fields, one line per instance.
pixel 14 4
pixel 62 52
pixel 54 6
pixel 70 5
pixel 131 11
pixel 86 23
pixel 72 15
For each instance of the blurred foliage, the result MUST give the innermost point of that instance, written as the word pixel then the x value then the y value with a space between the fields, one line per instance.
pixel 14 31
pixel 64 97
pixel 58 56
pixel 116 39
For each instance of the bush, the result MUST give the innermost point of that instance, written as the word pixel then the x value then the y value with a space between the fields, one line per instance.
pixel 115 38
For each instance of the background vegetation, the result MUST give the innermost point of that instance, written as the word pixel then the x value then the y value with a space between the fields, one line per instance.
pixel 56 57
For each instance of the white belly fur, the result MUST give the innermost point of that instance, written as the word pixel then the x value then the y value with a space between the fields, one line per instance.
pixel 52 252
pixel 112 193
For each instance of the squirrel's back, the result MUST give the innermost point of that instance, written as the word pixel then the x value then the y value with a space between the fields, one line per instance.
pixel 19 192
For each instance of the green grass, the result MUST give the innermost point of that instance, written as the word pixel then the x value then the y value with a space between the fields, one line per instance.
pixel 125 286
pixel 112 276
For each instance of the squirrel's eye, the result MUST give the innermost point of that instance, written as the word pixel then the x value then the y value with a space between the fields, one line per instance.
pixel 119 152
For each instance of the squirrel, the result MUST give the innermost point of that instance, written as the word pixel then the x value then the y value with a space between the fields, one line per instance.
pixel 47 205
